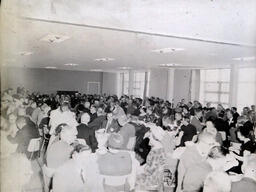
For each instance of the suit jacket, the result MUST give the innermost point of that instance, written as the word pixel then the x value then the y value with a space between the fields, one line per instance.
pixel 23 137
pixel 97 123
pixel 113 126
pixel 87 133
pixel 197 124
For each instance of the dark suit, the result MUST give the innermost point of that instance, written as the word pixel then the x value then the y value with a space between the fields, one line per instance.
pixel 23 137
pixel 87 133
pixel 97 122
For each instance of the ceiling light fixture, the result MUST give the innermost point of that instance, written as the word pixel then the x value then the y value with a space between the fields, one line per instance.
pixel 25 53
pixel 167 50
pixel 105 59
pixel 50 67
pixel 124 68
pixel 169 65
pixel 244 58
pixel 71 64
pixel 96 70
pixel 54 38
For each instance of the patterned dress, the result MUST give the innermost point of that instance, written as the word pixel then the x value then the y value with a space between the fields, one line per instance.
pixel 153 170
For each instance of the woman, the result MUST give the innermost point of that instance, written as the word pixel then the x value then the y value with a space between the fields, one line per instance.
pixel 150 178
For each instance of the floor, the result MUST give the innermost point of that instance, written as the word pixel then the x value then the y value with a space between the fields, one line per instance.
pixel 36 182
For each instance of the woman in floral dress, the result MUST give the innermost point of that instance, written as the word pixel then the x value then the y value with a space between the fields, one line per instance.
pixel 152 172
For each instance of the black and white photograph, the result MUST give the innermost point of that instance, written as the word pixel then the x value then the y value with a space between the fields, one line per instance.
pixel 128 95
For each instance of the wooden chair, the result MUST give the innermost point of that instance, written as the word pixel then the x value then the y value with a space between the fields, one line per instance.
pixel 34 146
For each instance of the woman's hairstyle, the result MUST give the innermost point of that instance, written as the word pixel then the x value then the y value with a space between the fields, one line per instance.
pixel 59 128
pixel 79 148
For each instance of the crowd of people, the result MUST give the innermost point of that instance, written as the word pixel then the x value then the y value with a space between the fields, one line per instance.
pixel 102 143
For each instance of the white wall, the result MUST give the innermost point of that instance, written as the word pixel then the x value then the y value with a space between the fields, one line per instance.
pixel 110 83
pixel 173 84
pixel 49 80
pixel 182 85
pixel 195 85
pixel 158 83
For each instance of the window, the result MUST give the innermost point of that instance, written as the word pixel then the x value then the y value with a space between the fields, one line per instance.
pixel 124 83
pixel 138 84
pixel 214 86
pixel 246 90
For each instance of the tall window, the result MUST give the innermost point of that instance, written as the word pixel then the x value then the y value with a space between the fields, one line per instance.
pixel 138 84
pixel 124 77
pixel 246 90
pixel 214 86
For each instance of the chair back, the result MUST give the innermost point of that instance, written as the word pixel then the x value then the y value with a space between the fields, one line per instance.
pixel 34 145
pixel 81 141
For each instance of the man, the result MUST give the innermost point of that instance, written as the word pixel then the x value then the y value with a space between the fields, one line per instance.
pixel 127 131
pixel 87 107
pixel 62 115
pixel 25 133
pixel 110 124
pixel 98 121
pixel 93 112
pixel 235 114
pixel 195 121
pixel 60 151
pixel 84 132
pixel 221 124
pixel 248 182
pixel 193 167
pixel 188 130
pixel 36 112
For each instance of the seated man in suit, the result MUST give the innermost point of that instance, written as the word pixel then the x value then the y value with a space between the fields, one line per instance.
pixel 25 133
pixel 87 133
pixel 195 121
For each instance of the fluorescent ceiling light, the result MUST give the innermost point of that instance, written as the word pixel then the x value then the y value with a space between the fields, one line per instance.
pixel 50 67
pixel 244 59
pixel 124 68
pixel 96 70
pixel 71 64
pixel 25 53
pixel 170 65
pixel 167 50
pixel 105 59
pixel 54 38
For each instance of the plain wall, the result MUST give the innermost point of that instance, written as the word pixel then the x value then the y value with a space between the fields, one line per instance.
pixel 110 83
pixel 49 80
pixel 182 85
pixel 172 84
pixel 158 83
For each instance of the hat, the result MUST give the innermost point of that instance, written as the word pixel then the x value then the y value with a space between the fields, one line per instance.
pixel 115 141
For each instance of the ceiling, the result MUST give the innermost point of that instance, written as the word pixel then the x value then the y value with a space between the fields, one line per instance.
pixel 210 33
